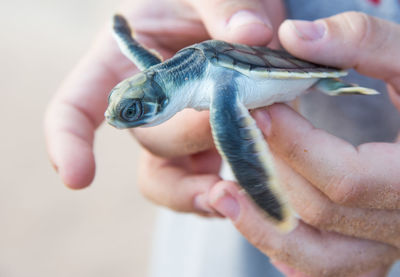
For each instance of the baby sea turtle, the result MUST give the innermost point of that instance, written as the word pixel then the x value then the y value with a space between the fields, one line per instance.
pixel 227 79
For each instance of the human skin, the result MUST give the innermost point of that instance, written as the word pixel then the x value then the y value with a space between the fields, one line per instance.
pixel 180 172
pixel 333 186
pixel 77 108
pixel 353 191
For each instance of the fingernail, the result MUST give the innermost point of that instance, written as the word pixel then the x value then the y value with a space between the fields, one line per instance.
pixel 244 17
pixel 225 204
pixel 308 30
pixel 263 120
pixel 200 203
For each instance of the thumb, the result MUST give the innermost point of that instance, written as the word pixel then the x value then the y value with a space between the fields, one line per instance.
pixel 249 22
pixel 347 40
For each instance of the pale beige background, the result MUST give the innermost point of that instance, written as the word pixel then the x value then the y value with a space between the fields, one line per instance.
pixel 45 228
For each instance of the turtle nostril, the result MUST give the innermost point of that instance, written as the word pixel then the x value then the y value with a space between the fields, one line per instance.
pixel 108 116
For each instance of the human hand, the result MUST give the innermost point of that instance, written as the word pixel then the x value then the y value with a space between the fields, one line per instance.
pixel 78 107
pixel 348 197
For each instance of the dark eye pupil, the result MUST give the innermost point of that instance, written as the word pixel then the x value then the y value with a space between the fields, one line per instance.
pixel 130 110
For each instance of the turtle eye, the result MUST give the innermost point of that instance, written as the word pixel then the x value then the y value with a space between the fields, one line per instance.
pixel 130 110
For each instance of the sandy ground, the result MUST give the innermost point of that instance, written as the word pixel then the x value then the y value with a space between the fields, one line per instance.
pixel 45 228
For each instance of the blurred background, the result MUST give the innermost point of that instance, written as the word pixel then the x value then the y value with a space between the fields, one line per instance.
pixel 45 228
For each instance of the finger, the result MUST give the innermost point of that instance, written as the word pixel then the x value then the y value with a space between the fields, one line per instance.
pixel 395 95
pixel 381 271
pixel 239 21
pixel 181 184
pixel 317 210
pixel 76 111
pixel 348 40
pixel 305 249
pixel 186 133
pixel 289 271
pixel 366 176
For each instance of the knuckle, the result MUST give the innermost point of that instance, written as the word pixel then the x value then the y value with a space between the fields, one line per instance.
pixel 260 240
pixel 364 36
pixel 359 26
pixel 344 190
pixel 366 32
pixel 353 29
pixel 317 214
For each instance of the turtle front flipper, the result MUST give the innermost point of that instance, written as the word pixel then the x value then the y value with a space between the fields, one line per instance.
pixel 143 58
pixel 242 145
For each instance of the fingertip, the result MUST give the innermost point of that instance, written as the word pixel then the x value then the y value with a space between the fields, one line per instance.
pixel 305 30
pixel 314 41
pixel 200 204
pixel 222 198
pixel 79 172
pixel 233 202
pixel 294 41
pixel 286 124
pixel 73 160
pixel 251 34
pixel 263 120
pixel 287 32
pixel 248 28
pixel 266 115
pixel 281 111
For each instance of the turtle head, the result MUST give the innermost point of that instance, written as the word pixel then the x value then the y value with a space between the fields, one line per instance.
pixel 136 101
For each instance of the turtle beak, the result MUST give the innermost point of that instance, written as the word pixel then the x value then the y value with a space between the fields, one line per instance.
pixel 111 120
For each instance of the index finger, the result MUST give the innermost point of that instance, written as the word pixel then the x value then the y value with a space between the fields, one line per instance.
pixel 74 114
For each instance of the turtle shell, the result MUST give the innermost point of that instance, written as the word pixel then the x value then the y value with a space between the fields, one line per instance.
pixel 263 62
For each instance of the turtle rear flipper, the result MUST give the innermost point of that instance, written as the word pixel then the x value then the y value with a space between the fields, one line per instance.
pixel 143 58
pixel 334 86
pixel 242 145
